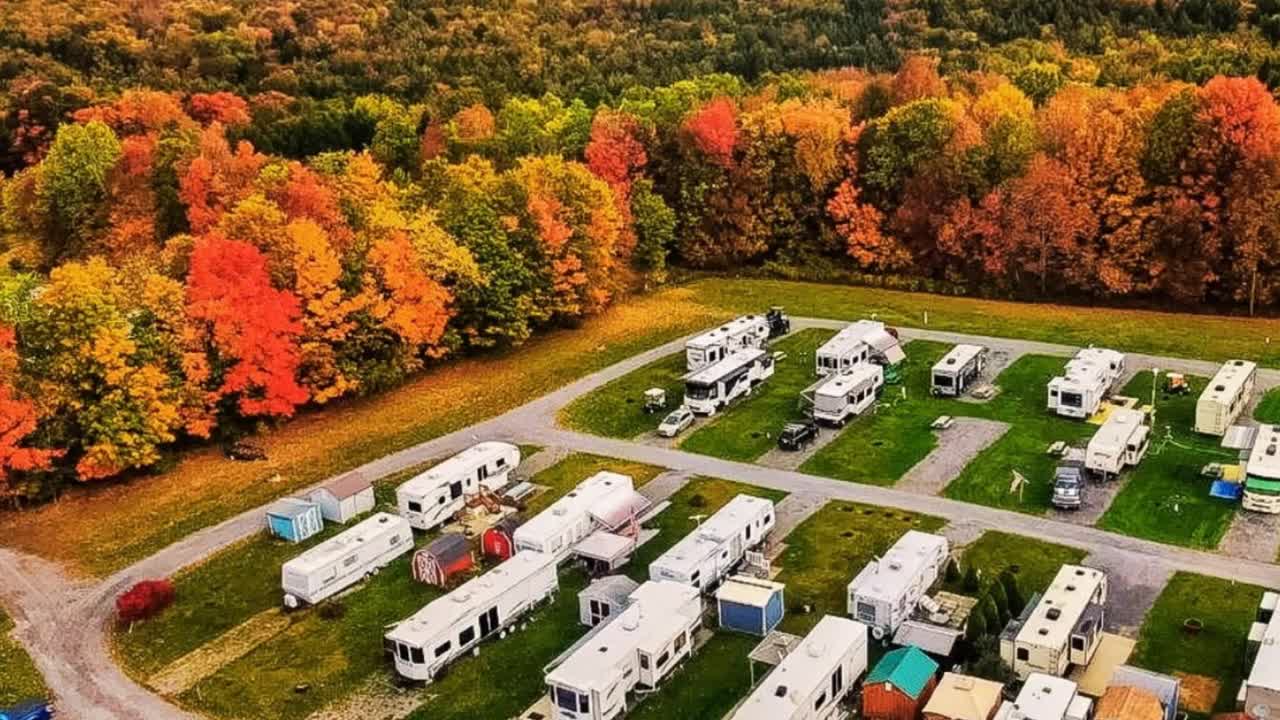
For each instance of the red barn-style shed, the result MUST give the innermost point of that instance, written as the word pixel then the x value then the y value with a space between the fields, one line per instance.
pixel 899 685
pixel 446 557
pixel 498 541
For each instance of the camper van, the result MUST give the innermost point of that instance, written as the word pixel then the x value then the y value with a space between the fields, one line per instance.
pixel 709 348
pixel 705 556
pixel 604 501
pixel 634 651
pixel 429 500
pixel 1063 629
pixel 1086 380
pixel 840 396
pixel 813 679
pixel 344 560
pixel 451 626
pixel 1262 472
pixel 957 370
pixel 1121 442
pixel 1225 397
pixel 860 342
pixel 712 388
pixel 888 589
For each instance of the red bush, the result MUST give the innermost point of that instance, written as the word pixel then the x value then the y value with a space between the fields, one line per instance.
pixel 144 600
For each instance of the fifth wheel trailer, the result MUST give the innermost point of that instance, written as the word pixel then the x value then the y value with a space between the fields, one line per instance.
pixel 1121 442
pixel 1062 629
pixel 849 393
pixel 813 679
pixel 432 498
pixel 957 370
pixel 712 388
pixel 344 560
pixel 705 556
pixel 601 502
pixel 887 591
pixel 1085 381
pixel 1225 397
pixel 709 348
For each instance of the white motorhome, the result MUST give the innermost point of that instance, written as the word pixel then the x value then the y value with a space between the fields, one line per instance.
pixel 345 559
pixel 450 626
pixel 432 498
pixel 811 681
pixel 635 650
pixel 860 342
pixel 1262 472
pixel 1119 443
pixel 957 370
pixel 1225 397
pixel 712 388
pixel 709 348
pixel 1086 380
pixel 1045 697
pixel 840 396
pixel 705 556
pixel 888 589
pixel 1063 629
pixel 599 502
pixel 1260 694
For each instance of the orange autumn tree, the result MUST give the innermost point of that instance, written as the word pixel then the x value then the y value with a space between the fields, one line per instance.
pixel 616 155
pixel 18 420
pixel 407 301
pixel 859 223
pixel 217 178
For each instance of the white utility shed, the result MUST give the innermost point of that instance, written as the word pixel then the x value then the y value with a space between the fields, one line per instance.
pixel 344 497
pixel 811 681
pixel 887 590
pixel 1225 397
pixel 705 556
pixel 606 500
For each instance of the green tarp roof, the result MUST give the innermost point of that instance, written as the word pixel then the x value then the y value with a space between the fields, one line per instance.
pixel 907 669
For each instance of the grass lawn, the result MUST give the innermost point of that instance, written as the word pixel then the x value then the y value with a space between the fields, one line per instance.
pixel 750 428
pixel 708 686
pixel 19 678
pixel 1035 562
pixel 616 409
pixel 1268 410
pixel 1166 499
pixel 1227 610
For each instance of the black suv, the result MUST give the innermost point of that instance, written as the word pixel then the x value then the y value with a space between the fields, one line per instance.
pixel 798 434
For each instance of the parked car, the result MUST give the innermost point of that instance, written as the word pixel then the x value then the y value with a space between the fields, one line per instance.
pixel 676 422
pixel 30 710
pixel 1069 485
pixel 797 435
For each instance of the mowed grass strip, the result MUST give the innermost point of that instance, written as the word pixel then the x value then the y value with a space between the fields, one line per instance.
pixel 708 685
pixel 1268 410
pixel 19 678
pixel 1034 562
pixel 616 410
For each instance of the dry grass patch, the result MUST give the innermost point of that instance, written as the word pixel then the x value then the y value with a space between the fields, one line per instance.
pixel 226 649
pixel 1199 692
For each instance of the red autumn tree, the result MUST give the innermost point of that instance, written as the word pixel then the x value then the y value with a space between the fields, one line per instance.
pixel 144 600
pixel 216 178
pixel 615 154
pixel 307 196
pixel 18 419
pixel 219 107
pixel 860 224
pixel 1048 228
pixel 713 128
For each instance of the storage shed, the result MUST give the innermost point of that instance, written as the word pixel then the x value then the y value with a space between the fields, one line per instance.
pixel 899 685
pixel 294 519
pixel 444 559
pixel 961 697
pixel 344 497
pixel 498 541
pixel 604 598
pixel 750 605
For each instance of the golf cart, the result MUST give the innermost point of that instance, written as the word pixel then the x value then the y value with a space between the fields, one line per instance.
pixel 1176 384
pixel 655 400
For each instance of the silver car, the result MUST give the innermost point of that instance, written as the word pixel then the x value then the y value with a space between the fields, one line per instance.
pixel 676 422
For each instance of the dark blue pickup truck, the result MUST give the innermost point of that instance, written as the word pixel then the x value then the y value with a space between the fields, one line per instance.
pixel 30 710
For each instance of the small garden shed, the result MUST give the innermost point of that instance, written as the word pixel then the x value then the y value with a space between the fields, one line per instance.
pixel 750 605
pixel 899 686
pixel 294 519
pixel 344 497
pixel 604 598
pixel 445 558
pixel 498 541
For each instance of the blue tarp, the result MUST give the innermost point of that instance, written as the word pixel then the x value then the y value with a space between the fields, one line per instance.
pixel 1226 490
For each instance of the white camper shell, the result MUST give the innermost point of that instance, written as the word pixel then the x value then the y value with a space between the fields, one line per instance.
pixel 606 500
pixel 1262 472
pixel 840 396
pixel 1225 397
pixel 714 387
pixel 888 590
pixel 1119 443
pixel 635 650
pixel 432 498
pixel 811 681
pixel 345 559
pixel 709 348
pixel 1063 629
pixel 450 626
pixel 1044 697
pixel 1260 693
pixel 1086 380
pixel 860 342
pixel 707 555
pixel 957 370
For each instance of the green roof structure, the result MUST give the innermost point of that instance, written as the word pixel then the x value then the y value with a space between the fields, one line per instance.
pixel 907 669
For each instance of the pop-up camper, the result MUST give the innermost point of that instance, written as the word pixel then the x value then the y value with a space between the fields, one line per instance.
pixel 430 499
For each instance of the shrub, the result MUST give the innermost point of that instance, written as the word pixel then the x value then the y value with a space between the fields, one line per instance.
pixel 146 599
pixel 971 583
pixel 952 573
pixel 1017 603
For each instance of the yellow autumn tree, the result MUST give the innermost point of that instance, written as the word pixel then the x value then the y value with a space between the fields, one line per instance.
pixel 326 312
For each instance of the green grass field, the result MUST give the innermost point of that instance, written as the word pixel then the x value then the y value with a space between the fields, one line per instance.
pixel 708 686
pixel 1034 562
pixel 617 409
pixel 1268 410
pixel 19 678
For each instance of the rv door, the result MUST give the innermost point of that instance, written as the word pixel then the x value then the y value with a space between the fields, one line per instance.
pixel 455 490
pixel 489 622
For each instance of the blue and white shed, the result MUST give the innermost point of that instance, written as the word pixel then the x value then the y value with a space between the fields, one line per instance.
pixel 750 605
pixel 294 519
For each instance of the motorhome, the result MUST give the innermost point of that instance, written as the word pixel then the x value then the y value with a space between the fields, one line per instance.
pixel 634 651
pixel 1119 443
pixel 429 500
pixel 813 679
pixel 451 626
pixel 709 348
pixel 840 396
pixel 1260 694
pixel 1045 697
pixel 712 388
pixel 1262 472
pixel 1087 379
pixel 705 556
pixel 1225 397
pixel 887 591
pixel 604 501
pixel 957 370
pixel 1062 629
pixel 345 559
pixel 858 343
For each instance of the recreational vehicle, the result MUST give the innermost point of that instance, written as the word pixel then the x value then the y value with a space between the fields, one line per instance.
pixel 1086 380
pixel 888 589
pixel 605 501
pixel 811 682
pixel 1119 443
pixel 709 348
pixel 846 394
pixel 1063 629
pixel 1260 693
pixel 1045 697
pixel 450 626
pixel 1262 472
pixel 343 560
pixel 634 651
pixel 860 342
pixel 715 386
pixel 957 370
pixel 1225 397
pixel 432 498
pixel 705 556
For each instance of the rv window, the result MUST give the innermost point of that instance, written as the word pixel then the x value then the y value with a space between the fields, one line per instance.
pixel 695 577
pixel 1072 399
pixel 584 703
pixel 595 607
pixel 404 652
pixel 351 560
pixel 1024 654
pixel 724 555
pixel 644 661
pixel 1053 393
pixel 502 462
pixel 415 506
pixel 418 658
pixel 567 699
pixel 395 540
pixel 443 499
pixel 466 636
pixel 443 648
pixel 748 532
pixel 663 658
pixel 680 641
pixel 822 700
pixel 942 381
pixel 837 681
pixel 1077 643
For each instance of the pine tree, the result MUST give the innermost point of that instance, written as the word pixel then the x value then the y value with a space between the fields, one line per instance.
pixel 976 628
pixel 1011 590
pixel 952 573
pixel 970 583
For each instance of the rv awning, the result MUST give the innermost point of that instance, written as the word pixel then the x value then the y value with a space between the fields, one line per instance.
pixel 774 648
pixel 1239 437
pixel 618 509
pixel 605 547
pixel 933 639
pixel 748 591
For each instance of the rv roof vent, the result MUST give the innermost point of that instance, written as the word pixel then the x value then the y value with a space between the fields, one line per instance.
pixel 1053 614
pixel 1219 388
pixel 1071 588
pixel 780 691
pixel 1271 449
pixel 384 519
pixel 1079 572
pixel 1237 362
pixel 895 565
pixel 461 597
pixel 603 648
pixel 816 649
pixel 1044 631
pixel 951 361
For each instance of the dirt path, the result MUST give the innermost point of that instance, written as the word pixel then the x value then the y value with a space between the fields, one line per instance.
pixel 1252 535
pixel 957 446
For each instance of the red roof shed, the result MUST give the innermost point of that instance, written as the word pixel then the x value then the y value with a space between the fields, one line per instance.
pixel 498 541
pixel 438 563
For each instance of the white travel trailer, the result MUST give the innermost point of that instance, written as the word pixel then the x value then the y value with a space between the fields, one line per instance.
pixel 712 388
pixel 344 560
pixel 1262 472
pixel 599 502
pixel 1086 380
pixel 1063 629
pixel 811 681
pixel 1045 697
pixel 635 650
pixel 888 590
pixel 847 394
pixel 709 348
pixel 957 370
pixel 450 626
pixel 860 342
pixel 1121 442
pixel 1260 694
pixel 430 499
pixel 705 556
pixel 1225 397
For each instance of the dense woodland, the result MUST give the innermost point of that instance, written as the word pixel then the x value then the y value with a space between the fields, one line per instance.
pixel 213 215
